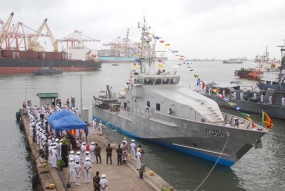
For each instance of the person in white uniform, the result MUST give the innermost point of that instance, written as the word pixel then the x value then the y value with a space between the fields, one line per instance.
pixel 270 100
pixel 133 149
pixel 77 173
pixel 94 126
pixel 92 155
pixel 54 157
pixel 139 155
pixel 71 155
pixel 100 128
pixel 104 183
pixel 87 169
pixel 83 150
pixel 77 157
pixel 261 98
pixel 72 174
pixel 283 101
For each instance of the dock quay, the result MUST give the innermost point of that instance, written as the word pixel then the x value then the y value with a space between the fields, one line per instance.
pixel 120 177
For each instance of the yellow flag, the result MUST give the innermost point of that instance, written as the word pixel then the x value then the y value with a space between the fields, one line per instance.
pixel 135 66
pixel 160 65
pixel 166 45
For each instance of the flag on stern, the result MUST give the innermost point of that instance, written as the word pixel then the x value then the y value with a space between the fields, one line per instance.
pixel 266 119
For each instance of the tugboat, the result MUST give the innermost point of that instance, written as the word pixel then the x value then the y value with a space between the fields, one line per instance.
pixel 47 71
pixel 156 108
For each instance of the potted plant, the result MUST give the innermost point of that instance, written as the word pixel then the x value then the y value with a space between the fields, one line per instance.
pixel 60 163
pixel 142 170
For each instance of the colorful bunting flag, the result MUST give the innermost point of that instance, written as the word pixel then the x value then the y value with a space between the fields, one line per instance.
pixel 162 41
pixel 160 65
pixel 198 82
pixel 246 116
pixel 203 85
pixel 159 60
pixel 166 45
pixel 196 76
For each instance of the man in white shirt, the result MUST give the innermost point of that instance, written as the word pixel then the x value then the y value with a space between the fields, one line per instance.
pixel 104 183
pixel 83 150
pixel 133 149
pixel 139 155
pixel 94 126
pixel 87 169
pixel 72 174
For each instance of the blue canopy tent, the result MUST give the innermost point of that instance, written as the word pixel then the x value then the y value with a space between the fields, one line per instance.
pixel 66 120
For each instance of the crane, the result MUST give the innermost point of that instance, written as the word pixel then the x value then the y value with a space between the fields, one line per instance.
pixel 32 42
pixel 76 39
pixel 4 32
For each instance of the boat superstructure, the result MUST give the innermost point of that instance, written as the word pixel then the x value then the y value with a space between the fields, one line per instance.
pixel 156 108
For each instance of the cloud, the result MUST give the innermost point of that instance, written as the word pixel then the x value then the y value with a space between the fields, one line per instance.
pixel 218 29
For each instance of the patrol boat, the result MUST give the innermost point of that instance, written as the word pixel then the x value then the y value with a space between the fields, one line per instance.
pixel 156 108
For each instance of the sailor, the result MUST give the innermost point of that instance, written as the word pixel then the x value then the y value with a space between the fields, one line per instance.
pixel 133 149
pixel 125 141
pixel 235 95
pixel 97 152
pixel 170 112
pixel 57 146
pixel 147 111
pixel 77 157
pixel 67 102
pixel 71 165
pixel 270 100
pixel 71 155
pixel 92 148
pixel 236 122
pixel 283 101
pixel 125 152
pixel 104 183
pixel 50 147
pixel 100 128
pixel 94 126
pixel 241 95
pixel 109 153
pixel 87 168
pixel 254 96
pixel 87 155
pixel 224 93
pixel 209 90
pixel 77 112
pixel 54 157
pixel 77 173
pixel 129 88
pixel 83 150
pixel 261 98
pixel 139 155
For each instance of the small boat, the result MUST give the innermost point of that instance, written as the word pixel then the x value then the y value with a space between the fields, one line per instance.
pixel 47 71
pixel 233 61
pixel 115 64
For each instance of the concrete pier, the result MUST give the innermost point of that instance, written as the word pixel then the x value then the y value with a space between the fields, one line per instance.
pixel 120 177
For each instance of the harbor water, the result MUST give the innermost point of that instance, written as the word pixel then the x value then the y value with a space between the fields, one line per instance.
pixel 261 169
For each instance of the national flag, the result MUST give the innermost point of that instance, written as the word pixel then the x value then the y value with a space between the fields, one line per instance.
pixel 135 66
pixel 160 65
pixel 72 132
pixel 196 76
pixel 166 45
pixel 198 82
pixel 162 41
pixel 191 70
pixel 246 116
pixel 266 119
pixel 157 37
pixel 203 85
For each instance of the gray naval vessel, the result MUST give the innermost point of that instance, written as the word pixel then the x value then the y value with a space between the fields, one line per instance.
pixel 156 108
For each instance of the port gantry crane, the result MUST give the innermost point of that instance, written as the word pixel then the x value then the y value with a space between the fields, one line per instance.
pixel 32 42
pixel 75 39
pixel 5 30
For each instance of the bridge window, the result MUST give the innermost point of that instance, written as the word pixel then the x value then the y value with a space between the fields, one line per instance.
pixel 148 81
pixel 165 81
pixel 173 80
pixel 158 107
pixel 158 81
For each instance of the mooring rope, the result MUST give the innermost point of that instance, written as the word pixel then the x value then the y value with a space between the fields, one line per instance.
pixel 228 135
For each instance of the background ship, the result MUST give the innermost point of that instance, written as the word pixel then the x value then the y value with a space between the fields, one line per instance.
pixel 23 54
pixel 233 61
pixel 121 50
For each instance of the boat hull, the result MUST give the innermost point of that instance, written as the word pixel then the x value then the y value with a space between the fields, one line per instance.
pixel 186 136
pixel 116 59
pixel 21 66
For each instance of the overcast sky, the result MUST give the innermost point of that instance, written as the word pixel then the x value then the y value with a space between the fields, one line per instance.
pixel 219 29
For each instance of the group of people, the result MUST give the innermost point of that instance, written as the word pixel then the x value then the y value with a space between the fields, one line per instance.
pixel 99 127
